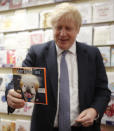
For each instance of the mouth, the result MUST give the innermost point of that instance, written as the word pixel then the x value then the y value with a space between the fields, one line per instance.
pixel 63 40
pixel 28 95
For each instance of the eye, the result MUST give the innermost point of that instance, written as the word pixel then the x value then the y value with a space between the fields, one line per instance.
pixel 68 28
pixel 58 28
pixel 32 86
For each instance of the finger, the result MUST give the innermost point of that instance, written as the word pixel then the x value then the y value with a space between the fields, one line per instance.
pixel 80 117
pixel 17 106
pixel 83 121
pixel 14 94
pixel 87 123
pixel 14 99
pixel 15 102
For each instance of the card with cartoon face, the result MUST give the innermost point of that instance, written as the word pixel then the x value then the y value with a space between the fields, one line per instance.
pixel 31 83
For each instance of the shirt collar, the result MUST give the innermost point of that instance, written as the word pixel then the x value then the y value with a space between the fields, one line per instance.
pixel 71 50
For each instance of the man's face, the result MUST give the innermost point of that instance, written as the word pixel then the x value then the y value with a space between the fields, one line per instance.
pixel 65 32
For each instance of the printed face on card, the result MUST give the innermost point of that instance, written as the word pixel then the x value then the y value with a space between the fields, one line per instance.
pixel 31 83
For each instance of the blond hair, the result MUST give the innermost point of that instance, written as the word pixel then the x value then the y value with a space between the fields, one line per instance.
pixel 65 11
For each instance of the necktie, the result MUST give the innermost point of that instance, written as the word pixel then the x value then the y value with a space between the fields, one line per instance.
pixel 64 98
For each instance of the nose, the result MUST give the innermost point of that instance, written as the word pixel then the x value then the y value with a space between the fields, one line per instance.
pixel 28 90
pixel 63 32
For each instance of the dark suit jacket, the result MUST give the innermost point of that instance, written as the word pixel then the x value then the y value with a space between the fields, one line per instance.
pixel 93 85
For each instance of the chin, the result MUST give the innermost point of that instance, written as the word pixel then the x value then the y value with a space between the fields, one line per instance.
pixel 63 46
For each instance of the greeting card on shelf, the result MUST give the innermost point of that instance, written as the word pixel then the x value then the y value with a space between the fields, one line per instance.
pixel 105 52
pixel 111 81
pixel 85 35
pixel 3 108
pixel 44 18
pixel 45 1
pixel 4 4
pixel 103 12
pixel 1 40
pixel 20 56
pixel 37 37
pixel 33 17
pixel 9 41
pixel 22 125
pixel 6 22
pixel 4 80
pixel 23 40
pixel 61 0
pixel 15 3
pixel 101 35
pixel 7 125
pixel 3 57
pixel 48 35
pixel 32 2
pixel 11 57
pixel 111 35
pixel 112 56
pixel 20 20
pixel 86 12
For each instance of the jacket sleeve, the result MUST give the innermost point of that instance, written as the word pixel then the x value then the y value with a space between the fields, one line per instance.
pixel 102 92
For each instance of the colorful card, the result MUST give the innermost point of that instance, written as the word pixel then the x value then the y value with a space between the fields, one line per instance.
pixel 31 83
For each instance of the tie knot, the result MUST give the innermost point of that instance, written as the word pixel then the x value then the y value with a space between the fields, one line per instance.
pixel 64 52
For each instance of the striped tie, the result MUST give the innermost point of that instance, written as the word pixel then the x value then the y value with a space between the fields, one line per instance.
pixel 64 97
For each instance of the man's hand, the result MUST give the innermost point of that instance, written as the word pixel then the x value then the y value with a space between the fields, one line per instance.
pixel 87 117
pixel 15 100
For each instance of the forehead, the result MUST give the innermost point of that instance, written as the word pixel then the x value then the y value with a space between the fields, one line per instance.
pixel 65 22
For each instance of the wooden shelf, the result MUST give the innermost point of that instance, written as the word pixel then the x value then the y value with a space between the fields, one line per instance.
pixel 14 116
pixel 107 128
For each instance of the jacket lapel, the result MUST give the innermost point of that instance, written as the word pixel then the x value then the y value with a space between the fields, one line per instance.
pixel 52 73
pixel 82 59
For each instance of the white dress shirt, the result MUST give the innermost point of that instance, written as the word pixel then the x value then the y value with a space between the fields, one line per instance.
pixel 71 59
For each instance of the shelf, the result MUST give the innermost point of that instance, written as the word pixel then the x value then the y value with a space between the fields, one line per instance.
pixel 51 4
pixel 32 5
pixel 112 45
pixel 105 127
pixel 26 6
pixel 38 28
pixel 24 30
pixel 14 116
pixel 110 69
pixel 99 23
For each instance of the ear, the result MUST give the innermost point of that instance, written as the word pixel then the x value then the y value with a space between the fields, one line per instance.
pixel 36 85
pixel 21 84
pixel 78 29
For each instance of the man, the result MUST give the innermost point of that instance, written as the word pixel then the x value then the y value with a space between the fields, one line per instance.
pixel 88 87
